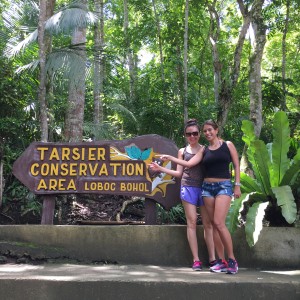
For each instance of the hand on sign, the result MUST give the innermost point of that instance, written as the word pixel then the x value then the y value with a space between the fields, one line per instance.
pixel 164 157
pixel 154 167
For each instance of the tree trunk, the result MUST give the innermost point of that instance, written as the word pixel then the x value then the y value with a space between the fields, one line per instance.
pixel 44 41
pixel 214 37
pixel 255 84
pixel 42 74
pixel 185 62
pixel 224 88
pixel 99 64
pixel 239 47
pixel 49 83
pixel 161 56
pixel 283 68
pixel 129 51
pixel 179 71
pixel 75 110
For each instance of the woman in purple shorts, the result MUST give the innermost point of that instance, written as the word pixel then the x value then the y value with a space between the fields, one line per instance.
pixel 190 194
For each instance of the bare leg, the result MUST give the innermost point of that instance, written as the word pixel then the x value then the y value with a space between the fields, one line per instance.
pixel 208 233
pixel 222 204
pixel 219 245
pixel 208 214
pixel 191 219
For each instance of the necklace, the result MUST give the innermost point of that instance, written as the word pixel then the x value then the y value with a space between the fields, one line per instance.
pixel 215 146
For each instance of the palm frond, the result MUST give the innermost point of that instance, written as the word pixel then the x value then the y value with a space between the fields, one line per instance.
pixel 66 63
pixel 120 108
pixel 98 132
pixel 14 49
pixel 14 13
pixel 31 66
pixel 65 21
pixel 69 19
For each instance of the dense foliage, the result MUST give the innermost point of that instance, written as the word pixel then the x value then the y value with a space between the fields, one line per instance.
pixel 141 59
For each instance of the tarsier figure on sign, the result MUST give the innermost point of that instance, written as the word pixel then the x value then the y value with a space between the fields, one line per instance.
pixel 152 173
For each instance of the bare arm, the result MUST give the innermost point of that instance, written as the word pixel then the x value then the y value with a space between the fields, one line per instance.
pixel 236 164
pixel 176 173
pixel 180 161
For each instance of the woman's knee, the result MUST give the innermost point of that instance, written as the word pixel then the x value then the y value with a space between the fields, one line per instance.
pixel 220 226
pixel 207 224
pixel 192 223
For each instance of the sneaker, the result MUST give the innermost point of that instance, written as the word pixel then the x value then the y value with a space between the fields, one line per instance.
pixel 212 263
pixel 219 266
pixel 232 266
pixel 197 266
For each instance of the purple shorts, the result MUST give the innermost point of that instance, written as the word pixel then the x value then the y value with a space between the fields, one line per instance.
pixel 191 194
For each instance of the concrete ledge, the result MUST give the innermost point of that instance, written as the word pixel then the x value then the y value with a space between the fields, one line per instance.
pixel 154 245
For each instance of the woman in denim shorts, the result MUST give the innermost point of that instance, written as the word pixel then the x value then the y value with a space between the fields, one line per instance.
pixel 190 194
pixel 217 190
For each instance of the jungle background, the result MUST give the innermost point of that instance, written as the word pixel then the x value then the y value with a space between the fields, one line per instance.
pixel 110 69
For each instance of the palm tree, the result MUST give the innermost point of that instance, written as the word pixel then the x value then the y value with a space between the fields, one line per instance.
pixel 69 62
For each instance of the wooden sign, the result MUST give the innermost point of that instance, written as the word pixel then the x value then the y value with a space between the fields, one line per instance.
pixel 105 167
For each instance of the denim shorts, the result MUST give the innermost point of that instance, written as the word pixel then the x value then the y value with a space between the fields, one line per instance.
pixel 213 189
pixel 192 195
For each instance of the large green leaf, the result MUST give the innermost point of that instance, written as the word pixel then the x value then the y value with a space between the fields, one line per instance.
pixel 260 161
pixel 297 156
pixel 254 220
pixel 291 174
pixel 296 184
pixel 269 148
pixel 249 133
pixel 280 148
pixel 249 184
pixel 286 201
pixel 232 219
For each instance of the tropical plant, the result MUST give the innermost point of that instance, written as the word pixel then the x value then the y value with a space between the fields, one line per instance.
pixel 175 215
pixel 275 178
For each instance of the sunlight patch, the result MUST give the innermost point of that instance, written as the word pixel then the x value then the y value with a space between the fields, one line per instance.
pixel 290 272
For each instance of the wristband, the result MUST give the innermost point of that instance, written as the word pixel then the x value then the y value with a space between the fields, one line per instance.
pixel 237 183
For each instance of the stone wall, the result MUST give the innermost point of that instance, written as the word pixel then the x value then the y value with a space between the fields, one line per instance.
pixel 145 244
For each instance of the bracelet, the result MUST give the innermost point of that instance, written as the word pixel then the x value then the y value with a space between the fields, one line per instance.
pixel 237 183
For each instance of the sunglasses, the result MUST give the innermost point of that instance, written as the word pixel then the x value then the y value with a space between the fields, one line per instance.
pixel 195 133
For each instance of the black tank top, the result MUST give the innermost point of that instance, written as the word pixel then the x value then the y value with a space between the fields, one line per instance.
pixel 192 176
pixel 216 162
